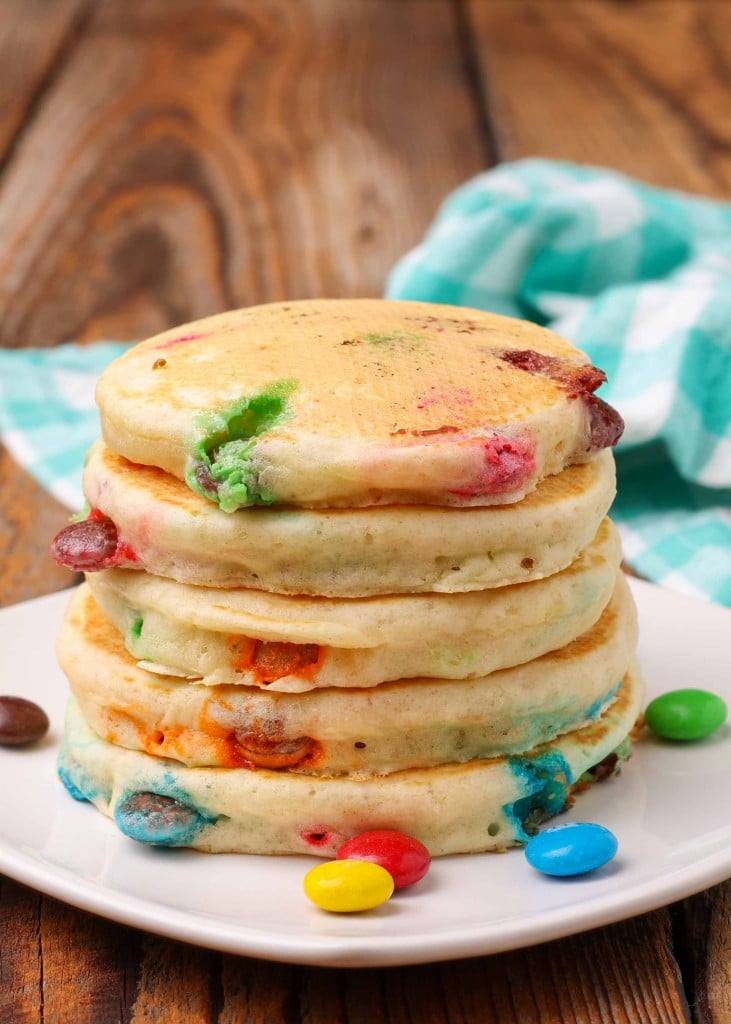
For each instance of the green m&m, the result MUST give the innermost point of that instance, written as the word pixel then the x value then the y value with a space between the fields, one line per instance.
pixel 686 714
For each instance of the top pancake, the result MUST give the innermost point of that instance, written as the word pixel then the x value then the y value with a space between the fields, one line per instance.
pixel 337 403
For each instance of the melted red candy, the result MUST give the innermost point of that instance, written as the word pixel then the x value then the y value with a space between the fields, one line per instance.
pixel 405 858
pixel 91 544
pixel 318 838
pixel 605 423
pixel 506 467
pixel 576 378
pixel 580 381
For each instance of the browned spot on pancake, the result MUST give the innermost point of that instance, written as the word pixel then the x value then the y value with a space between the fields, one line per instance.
pixel 439 323
pixel 446 429
pixel 592 735
pixel 96 629
pixel 156 484
pixel 638 728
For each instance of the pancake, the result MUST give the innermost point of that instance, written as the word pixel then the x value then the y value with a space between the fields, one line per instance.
pixel 164 528
pixel 341 403
pixel 361 732
pixel 455 808
pixel 294 643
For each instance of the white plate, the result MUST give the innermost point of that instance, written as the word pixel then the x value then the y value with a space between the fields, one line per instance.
pixel 669 810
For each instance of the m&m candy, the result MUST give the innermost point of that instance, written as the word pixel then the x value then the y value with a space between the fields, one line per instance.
pixel 571 849
pixel 21 721
pixel 345 886
pixel 686 714
pixel 405 858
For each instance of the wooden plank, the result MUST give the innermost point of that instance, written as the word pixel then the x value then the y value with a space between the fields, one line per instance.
pixel 227 154
pixel 34 37
pixel 57 964
pixel 704 939
pixel 21 978
pixel 643 87
pixel 259 993
pixel 88 967
pixel 29 518
pixel 178 984
pixel 619 975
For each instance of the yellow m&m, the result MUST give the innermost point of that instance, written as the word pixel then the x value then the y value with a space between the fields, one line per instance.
pixel 346 886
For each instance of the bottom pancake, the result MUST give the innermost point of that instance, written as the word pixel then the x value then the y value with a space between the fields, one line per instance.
pixel 468 808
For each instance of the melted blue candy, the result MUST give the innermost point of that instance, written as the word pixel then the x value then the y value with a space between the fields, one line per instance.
pixel 596 707
pixel 545 779
pixel 177 826
pixel 76 780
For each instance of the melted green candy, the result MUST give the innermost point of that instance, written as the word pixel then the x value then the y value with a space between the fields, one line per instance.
pixel 222 467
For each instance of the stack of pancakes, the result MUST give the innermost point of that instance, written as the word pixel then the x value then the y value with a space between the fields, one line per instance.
pixel 348 568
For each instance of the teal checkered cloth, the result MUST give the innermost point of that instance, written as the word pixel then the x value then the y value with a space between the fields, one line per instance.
pixel 640 279
pixel 48 417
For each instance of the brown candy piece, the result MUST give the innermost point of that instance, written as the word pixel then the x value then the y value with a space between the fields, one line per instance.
pixel 268 752
pixel 21 721
pixel 606 425
pixel 90 544
pixel 205 478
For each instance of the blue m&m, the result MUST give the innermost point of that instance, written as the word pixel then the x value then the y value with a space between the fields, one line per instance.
pixel 571 849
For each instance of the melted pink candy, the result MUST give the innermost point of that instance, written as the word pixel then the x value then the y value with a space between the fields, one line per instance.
pixel 318 837
pixel 178 341
pixel 507 465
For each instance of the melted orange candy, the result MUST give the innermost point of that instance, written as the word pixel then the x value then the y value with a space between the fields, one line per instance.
pixel 271 660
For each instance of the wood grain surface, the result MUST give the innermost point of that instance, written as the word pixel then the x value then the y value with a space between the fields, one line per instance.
pixel 644 87
pixel 164 159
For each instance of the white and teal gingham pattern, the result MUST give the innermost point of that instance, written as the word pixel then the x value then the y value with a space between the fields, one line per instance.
pixel 640 278
pixel 48 418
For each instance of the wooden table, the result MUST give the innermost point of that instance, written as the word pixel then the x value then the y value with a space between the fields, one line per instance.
pixel 165 159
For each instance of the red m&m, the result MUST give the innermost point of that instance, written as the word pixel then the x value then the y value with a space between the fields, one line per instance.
pixel 405 858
